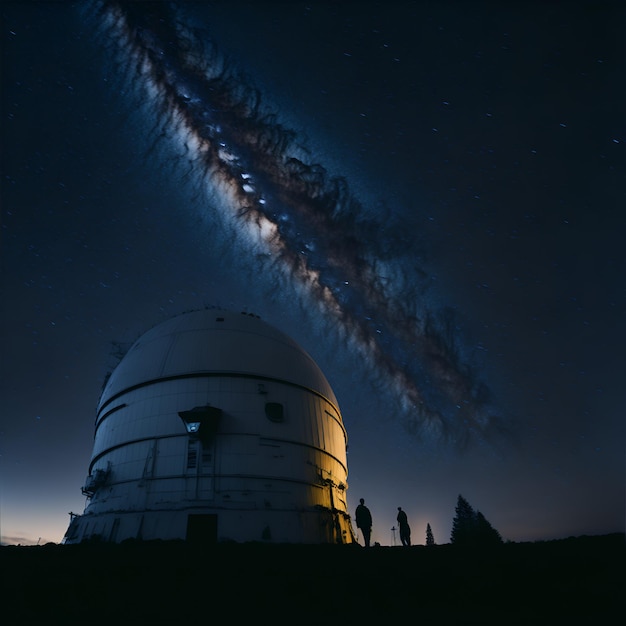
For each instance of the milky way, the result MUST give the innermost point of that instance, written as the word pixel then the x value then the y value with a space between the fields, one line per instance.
pixel 290 217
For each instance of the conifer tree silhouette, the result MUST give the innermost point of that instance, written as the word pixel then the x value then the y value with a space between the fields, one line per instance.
pixel 471 528
pixel 463 523
pixel 430 539
pixel 486 534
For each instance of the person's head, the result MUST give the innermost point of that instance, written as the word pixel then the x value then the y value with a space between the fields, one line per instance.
pixel 399 508
pixel 362 501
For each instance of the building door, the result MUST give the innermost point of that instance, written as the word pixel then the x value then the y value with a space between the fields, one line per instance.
pixel 202 529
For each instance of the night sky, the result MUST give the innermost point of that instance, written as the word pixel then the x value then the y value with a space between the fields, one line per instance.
pixel 484 143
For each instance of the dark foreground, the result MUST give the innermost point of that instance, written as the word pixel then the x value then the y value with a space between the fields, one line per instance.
pixel 572 581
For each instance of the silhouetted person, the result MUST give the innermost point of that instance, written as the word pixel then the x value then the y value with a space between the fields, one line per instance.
pixel 364 521
pixel 405 529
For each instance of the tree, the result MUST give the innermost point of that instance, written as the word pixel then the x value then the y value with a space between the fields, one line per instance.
pixel 463 523
pixel 471 528
pixel 430 539
pixel 486 534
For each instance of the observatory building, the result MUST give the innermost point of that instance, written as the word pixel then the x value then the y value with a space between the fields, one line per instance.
pixel 216 427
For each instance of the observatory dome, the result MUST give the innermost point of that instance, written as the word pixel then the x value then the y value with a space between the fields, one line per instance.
pixel 209 341
pixel 216 426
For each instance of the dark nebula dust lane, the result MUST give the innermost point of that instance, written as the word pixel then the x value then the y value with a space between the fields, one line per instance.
pixel 303 225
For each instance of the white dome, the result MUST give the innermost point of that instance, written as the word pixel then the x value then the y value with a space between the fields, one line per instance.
pixel 214 341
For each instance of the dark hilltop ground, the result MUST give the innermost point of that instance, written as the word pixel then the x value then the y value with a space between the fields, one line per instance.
pixel 579 580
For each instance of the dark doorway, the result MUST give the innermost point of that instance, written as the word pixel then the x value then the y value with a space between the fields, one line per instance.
pixel 202 529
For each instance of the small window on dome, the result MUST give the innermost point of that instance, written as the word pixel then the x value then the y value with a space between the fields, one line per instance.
pixel 274 411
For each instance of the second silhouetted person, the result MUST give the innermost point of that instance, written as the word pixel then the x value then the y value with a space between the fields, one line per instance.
pixel 405 529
